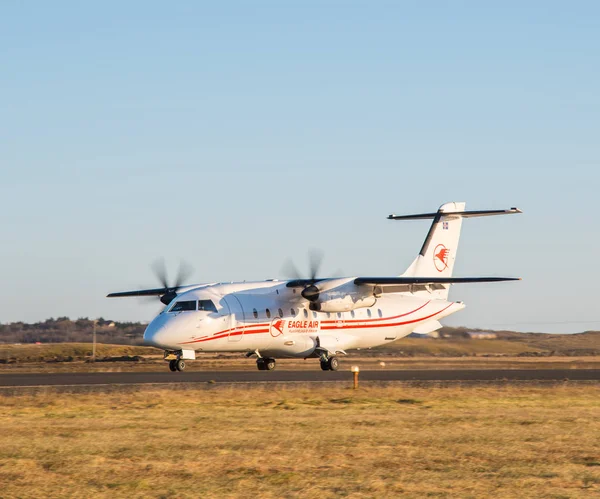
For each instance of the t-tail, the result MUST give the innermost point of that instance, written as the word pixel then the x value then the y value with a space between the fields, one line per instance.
pixel 438 253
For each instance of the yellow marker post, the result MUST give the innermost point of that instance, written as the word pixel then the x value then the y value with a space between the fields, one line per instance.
pixel 355 370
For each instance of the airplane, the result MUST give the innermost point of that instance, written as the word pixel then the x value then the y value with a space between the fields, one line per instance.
pixel 315 317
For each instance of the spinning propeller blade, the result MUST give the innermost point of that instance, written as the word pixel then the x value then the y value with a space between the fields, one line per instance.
pixel 167 292
pixel 310 291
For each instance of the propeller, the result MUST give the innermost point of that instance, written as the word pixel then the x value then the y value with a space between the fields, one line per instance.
pixel 170 291
pixel 311 291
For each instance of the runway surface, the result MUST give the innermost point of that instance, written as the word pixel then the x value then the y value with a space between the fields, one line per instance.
pixel 132 378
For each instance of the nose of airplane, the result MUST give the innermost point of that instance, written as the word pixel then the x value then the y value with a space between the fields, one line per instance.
pixel 155 331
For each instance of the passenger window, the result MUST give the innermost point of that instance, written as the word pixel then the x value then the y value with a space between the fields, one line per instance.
pixel 183 306
pixel 255 313
pixel 369 312
pixel 293 312
pixel 328 315
pixel 207 306
pixel 379 312
pixel 314 314
pixel 352 314
pixel 305 314
pixel 280 313
pixel 339 314
pixel 268 312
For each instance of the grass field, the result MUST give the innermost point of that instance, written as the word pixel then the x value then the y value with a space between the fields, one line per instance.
pixel 300 441
pixel 62 352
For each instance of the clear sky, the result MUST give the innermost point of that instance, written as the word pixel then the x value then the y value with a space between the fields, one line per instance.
pixel 236 135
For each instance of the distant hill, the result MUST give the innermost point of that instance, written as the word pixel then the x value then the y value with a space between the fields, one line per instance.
pixel 65 330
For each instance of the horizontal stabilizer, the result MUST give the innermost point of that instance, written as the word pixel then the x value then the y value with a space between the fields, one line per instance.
pixel 399 281
pixel 463 214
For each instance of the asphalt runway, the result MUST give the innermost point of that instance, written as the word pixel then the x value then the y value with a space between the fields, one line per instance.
pixel 143 378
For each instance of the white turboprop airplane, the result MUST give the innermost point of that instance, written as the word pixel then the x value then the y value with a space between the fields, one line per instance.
pixel 315 317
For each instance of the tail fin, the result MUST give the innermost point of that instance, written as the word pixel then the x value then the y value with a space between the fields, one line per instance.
pixel 438 253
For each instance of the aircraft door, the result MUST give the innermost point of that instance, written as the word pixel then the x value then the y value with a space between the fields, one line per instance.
pixel 237 317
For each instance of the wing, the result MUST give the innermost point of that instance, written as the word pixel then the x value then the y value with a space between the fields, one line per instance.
pixel 302 283
pixel 141 292
pixel 157 291
pixel 412 284
pixel 399 281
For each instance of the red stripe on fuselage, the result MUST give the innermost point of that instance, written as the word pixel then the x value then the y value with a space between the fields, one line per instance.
pixel 238 333
pixel 378 319
pixel 244 330
pixel 220 334
pixel 361 326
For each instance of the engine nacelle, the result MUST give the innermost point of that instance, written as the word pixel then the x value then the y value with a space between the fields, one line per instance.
pixel 336 303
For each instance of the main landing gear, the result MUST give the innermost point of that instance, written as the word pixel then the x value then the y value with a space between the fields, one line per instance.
pixel 176 365
pixel 330 364
pixel 265 364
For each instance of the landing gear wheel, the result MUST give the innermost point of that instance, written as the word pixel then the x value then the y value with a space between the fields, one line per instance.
pixel 265 364
pixel 180 365
pixel 331 364
pixel 334 363
pixel 172 365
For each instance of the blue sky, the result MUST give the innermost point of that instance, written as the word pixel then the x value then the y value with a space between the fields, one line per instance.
pixel 237 134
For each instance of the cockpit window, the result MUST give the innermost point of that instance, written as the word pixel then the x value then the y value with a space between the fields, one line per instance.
pixel 183 306
pixel 206 305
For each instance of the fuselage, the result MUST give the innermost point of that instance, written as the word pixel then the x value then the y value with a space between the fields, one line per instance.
pixel 275 320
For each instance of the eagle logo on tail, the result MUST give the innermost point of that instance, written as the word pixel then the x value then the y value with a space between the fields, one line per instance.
pixel 440 257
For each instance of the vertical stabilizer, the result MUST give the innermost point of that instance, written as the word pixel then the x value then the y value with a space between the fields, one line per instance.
pixel 438 253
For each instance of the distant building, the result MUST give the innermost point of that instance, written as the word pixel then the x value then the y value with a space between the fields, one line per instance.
pixel 481 335
pixel 433 334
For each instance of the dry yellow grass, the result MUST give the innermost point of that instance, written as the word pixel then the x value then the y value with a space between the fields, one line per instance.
pixel 304 441
pixel 48 351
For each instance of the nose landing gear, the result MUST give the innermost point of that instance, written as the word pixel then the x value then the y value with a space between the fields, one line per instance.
pixel 176 365
pixel 176 358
